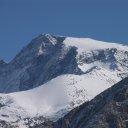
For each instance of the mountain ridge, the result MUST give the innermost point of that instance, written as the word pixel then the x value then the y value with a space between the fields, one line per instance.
pixel 56 56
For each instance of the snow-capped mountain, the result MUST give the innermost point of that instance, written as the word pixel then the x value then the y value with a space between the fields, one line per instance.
pixel 61 73
pixel 47 57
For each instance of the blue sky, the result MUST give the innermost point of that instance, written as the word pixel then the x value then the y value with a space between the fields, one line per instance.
pixel 22 20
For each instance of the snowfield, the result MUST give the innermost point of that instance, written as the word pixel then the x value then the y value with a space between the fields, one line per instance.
pixel 87 44
pixel 55 98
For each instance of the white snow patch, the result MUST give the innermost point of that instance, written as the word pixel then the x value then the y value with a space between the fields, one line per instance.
pixel 51 39
pixel 40 50
pixel 87 44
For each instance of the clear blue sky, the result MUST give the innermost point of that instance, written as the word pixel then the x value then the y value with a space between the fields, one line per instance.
pixel 22 20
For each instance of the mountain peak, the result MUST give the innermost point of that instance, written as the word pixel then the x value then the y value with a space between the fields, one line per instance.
pixel 51 38
pixel 81 43
pixel 44 43
pixel 50 56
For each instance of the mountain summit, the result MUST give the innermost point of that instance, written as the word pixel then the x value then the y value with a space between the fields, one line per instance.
pixel 48 56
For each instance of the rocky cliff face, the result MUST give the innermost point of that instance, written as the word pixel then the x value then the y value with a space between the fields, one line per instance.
pixel 43 59
pixel 107 110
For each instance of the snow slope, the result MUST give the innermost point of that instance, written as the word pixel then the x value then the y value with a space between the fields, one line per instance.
pixel 87 44
pixel 55 98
